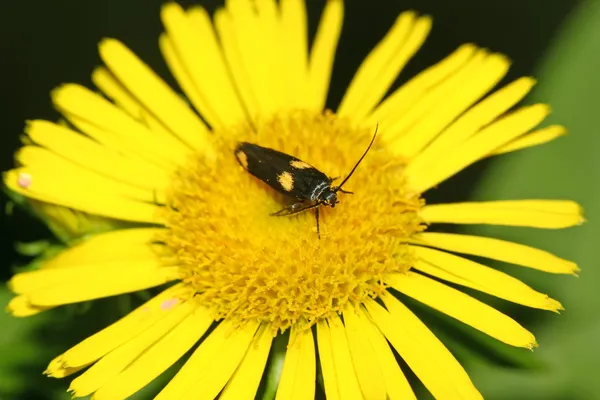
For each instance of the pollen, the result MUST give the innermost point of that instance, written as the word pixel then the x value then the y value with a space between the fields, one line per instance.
pixel 247 265
pixel 286 180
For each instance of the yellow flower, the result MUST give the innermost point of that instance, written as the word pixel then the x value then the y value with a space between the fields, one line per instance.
pixel 240 276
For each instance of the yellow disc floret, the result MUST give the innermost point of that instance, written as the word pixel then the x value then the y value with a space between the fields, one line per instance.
pixel 246 264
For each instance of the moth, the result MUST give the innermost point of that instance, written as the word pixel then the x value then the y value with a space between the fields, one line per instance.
pixel 294 178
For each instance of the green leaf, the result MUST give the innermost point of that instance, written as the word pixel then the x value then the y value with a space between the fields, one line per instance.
pixel 564 169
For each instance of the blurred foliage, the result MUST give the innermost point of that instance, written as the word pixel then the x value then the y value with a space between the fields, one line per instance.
pixel 565 169
pixel 566 363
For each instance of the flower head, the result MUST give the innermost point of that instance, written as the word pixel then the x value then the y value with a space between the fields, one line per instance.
pixel 241 276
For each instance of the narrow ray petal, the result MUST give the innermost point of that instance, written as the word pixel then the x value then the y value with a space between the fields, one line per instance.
pixel 455 103
pixel 429 359
pixel 109 280
pixel 462 307
pixel 116 144
pixel 501 250
pixel 90 155
pixel 405 96
pixel 45 166
pixel 82 102
pixel 154 94
pixel 396 384
pixel 551 214
pixel 326 361
pixel 494 136
pixel 534 138
pixel 294 41
pixel 201 375
pixel 114 90
pixel 210 384
pixel 431 101
pixel 155 360
pixel 298 375
pixel 179 71
pixel 474 275
pixel 195 43
pixel 113 336
pixel 323 52
pixel 367 367
pixel 125 245
pixel 390 71
pixel 336 346
pixel 244 382
pixel 382 65
pixel 111 365
pixel 256 46
pixel 102 204
pixel 472 121
pixel 240 73
pixel 19 306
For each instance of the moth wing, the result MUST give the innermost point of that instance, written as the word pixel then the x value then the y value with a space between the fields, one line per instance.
pixel 284 173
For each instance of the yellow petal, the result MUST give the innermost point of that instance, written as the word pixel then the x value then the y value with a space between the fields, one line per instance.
pixel 381 67
pixel 19 306
pixel 323 52
pixel 407 95
pixel 472 121
pixel 110 86
pixel 41 187
pixel 501 250
pixel 88 154
pixel 124 244
pixel 534 138
pixel 114 90
pixel 77 100
pixel 326 361
pixel 426 356
pixel 244 382
pixel 239 72
pixel 396 384
pixel 210 384
pixel 92 282
pixel 298 375
pixel 471 274
pixel 155 360
pixel 432 100
pixel 454 104
pixel 202 376
pixel 115 142
pixel 551 214
pixel 52 169
pixel 368 370
pixel 155 95
pixel 462 307
pixel 114 335
pixel 257 51
pixel 111 365
pixel 340 371
pixel 294 43
pixel 195 44
pixel 494 136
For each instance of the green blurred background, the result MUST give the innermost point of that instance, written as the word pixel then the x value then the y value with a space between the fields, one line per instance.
pixel 43 44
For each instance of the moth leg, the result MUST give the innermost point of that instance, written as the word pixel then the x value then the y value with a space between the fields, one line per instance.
pixel 294 209
pixel 345 191
pixel 317 217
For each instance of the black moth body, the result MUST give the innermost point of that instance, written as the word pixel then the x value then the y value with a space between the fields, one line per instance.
pixel 293 177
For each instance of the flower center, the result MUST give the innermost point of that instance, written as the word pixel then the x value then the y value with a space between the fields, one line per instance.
pixel 246 264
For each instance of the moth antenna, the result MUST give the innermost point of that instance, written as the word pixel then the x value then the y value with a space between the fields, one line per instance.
pixel 359 160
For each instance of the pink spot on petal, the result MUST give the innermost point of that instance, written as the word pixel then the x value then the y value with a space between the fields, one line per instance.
pixel 168 304
pixel 24 180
